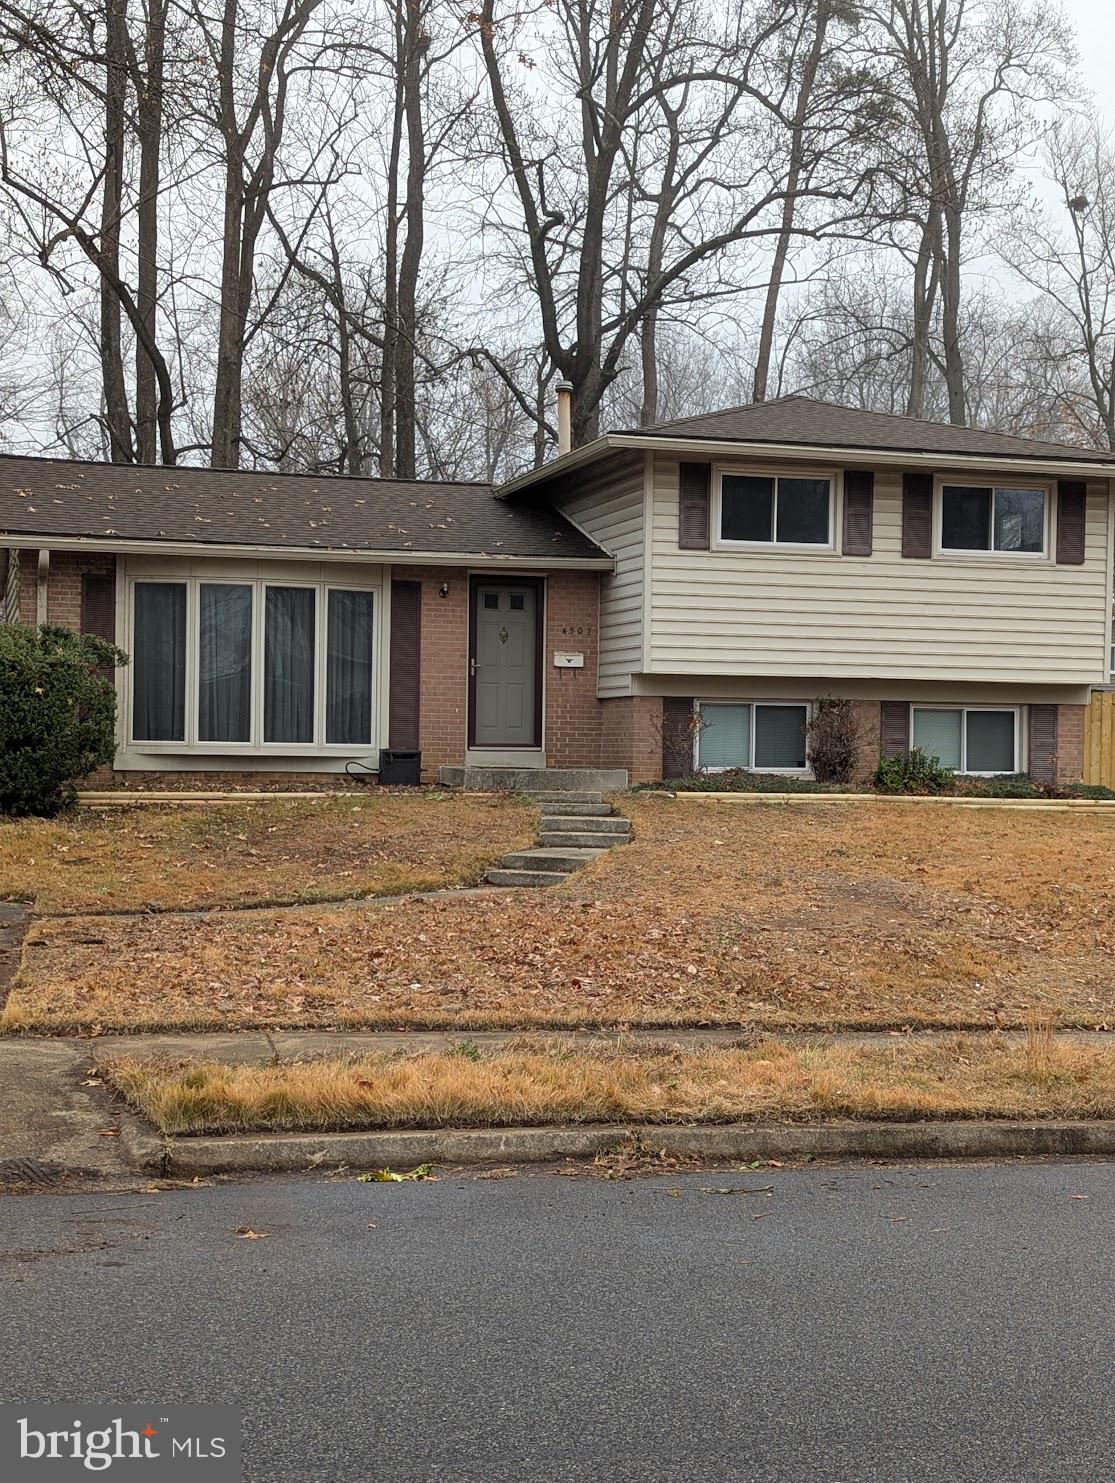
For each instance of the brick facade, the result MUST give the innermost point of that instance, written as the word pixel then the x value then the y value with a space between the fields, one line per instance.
pixel 63 584
pixel 632 736
pixel 1070 744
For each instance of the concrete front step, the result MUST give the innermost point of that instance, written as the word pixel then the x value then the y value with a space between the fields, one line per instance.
pixel 584 823
pixel 564 859
pixel 581 809
pixel 535 779
pixel 501 877
pixel 567 839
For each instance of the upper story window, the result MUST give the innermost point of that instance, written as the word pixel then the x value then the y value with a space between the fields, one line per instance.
pixel 1006 519
pixel 775 509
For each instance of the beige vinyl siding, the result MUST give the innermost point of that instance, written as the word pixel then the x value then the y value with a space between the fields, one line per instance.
pixel 608 506
pixel 754 612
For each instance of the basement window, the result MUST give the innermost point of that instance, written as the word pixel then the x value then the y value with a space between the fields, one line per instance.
pixel 984 742
pixel 758 738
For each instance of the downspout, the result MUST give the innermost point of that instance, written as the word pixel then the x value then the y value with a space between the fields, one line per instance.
pixel 42 583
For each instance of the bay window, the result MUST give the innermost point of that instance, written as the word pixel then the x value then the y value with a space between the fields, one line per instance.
pixel 967 739
pixel 993 518
pixel 758 738
pixel 237 665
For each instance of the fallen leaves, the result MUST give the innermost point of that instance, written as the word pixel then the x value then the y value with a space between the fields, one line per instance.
pixel 801 917
pixel 393 1176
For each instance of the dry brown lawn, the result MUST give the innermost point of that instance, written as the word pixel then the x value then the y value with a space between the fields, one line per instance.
pixel 275 850
pixel 843 915
pixel 537 1083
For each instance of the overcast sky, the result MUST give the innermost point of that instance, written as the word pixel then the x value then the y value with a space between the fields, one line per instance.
pixel 1095 26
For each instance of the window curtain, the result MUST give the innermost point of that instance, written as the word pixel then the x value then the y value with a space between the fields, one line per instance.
pixel 725 738
pixel 348 700
pixel 990 741
pixel 159 662
pixel 225 663
pixel 288 665
pixel 937 733
pixel 779 736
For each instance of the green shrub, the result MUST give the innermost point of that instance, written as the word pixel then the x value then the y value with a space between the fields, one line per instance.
pixel 913 772
pixel 739 780
pixel 833 739
pixel 57 715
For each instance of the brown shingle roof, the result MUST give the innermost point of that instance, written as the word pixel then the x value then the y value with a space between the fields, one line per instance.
pixel 65 497
pixel 804 420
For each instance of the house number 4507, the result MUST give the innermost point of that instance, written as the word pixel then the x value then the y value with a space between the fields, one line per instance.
pixel 578 628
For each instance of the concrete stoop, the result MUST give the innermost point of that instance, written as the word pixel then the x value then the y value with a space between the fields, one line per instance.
pixel 536 780
pixel 572 832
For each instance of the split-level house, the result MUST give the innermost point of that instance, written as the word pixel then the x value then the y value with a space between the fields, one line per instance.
pixel 662 599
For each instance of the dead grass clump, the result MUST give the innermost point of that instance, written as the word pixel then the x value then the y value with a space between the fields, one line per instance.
pixel 560 1081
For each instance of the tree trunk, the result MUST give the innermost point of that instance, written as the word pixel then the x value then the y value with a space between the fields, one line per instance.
pixel 417 43
pixel 793 180
pixel 950 319
pixel 389 364
pixel 227 398
pixel 117 415
pixel 924 294
pixel 149 91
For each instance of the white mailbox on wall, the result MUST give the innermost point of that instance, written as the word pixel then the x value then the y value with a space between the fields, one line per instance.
pixel 568 661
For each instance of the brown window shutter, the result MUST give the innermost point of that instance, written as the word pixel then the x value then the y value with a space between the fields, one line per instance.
pixel 1043 743
pixel 406 659
pixel 693 506
pixel 677 738
pixel 98 605
pixel 1072 499
pixel 894 727
pixel 917 515
pixel 859 511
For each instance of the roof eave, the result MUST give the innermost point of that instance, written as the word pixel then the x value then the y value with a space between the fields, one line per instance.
pixel 122 545
pixel 812 452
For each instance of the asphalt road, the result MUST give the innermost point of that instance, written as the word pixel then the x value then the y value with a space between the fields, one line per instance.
pixel 931 1323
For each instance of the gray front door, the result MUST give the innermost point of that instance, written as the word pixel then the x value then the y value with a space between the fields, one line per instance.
pixel 505 665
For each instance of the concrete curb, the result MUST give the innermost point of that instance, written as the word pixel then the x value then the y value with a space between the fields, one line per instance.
pixel 734 1142
pixel 1025 805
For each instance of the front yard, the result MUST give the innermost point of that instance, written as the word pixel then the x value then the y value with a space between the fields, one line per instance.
pixel 860 914
pixel 246 853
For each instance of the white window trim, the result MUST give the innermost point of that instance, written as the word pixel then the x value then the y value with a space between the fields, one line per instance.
pixel 257 747
pixel 782 772
pixel 1044 557
pixel 962 771
pixel 815 548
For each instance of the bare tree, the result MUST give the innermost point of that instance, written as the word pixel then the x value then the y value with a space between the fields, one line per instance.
pixel 698 102
pixel 962 76
pixel 1069 256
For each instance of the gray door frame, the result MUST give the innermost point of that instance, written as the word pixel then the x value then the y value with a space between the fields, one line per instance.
pixel 476 581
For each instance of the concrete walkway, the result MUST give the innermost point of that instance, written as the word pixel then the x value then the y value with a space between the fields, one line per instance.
pixel 55 1125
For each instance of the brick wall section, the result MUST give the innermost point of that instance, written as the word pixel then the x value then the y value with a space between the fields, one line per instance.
pixel 868 718
pixel 1070 743
pixel 443 702
pixel 573 713
pixel 632 736
pixel 63 587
